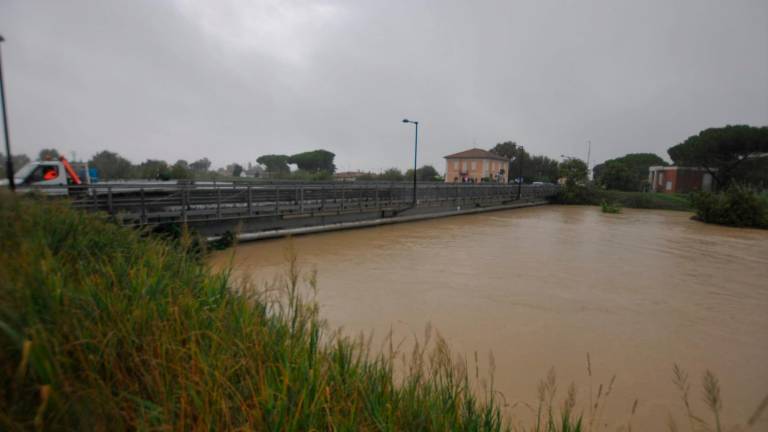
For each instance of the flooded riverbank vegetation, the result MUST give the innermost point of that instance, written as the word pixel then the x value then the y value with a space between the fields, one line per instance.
pixel 103 328
pixel 592 195
pixel 737 206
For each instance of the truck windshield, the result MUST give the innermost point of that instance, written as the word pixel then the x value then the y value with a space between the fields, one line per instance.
pixel 24 172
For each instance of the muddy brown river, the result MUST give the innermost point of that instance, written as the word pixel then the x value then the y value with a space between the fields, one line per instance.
pixel 542 287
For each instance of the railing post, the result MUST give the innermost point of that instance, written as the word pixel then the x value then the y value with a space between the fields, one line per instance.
pixel 218 202
pixel 301 197
pixel 378 203
pixel 277 199
pixel 184 200
pixel 250 201
pixel 109 201
pixel 343 196
pixel 143 217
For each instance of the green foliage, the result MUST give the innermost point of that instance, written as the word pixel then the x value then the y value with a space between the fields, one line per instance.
pixel 534 168
pixel 274 164
pixel 154 170
pixel 574 170
pixel 737 206
pixel 308 175
pixel 111 165
pixel 314 161
pixel 610 207
pixel 237 170
pixel 508 149
pixel 627 173
pixel 180 170
pixel 724 151
pixel 201 165
pixel 102 328
pixel 540 168
pixel 392 174
pixel 425 173
pixel 588 195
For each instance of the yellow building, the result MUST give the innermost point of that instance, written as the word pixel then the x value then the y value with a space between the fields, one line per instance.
pixel 474 165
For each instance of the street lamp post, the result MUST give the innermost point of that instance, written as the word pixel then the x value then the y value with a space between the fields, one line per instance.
pixel 415 155
pixel 520 172
pixel 8 158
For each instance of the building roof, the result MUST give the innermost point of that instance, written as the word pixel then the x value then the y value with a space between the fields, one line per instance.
pixel 476 153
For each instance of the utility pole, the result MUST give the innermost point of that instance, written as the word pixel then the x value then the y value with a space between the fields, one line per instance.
pixel 415 155
pixel 8 157
pixel 589 153
pixel 520 172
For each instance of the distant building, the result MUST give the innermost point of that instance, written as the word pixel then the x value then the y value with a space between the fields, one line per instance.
pixel 475 165
pixel 675 179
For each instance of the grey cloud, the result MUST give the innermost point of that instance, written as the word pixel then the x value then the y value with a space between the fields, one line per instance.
pixel 235 79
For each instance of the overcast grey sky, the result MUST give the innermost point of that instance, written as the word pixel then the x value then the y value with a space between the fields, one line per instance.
pixel 235 79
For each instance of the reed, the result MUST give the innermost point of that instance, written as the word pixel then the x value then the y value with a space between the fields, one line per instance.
pixel 106 328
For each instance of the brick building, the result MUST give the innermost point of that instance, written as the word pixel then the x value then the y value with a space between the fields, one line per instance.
pixel 474 165
pixel 674 179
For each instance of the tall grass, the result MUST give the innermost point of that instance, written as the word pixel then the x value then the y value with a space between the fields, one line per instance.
pixel 106 328
pixel 102 328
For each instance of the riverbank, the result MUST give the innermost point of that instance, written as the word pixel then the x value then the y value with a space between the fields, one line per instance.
pixel 102 328
pixel 588 195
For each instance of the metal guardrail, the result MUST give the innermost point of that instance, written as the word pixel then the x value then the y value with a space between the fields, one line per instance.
pixel 140 204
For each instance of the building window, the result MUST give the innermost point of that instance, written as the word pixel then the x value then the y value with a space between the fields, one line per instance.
pixel 464 166
pixel 661 178
pixel 669 185
pixel 455 164
pixel 474 165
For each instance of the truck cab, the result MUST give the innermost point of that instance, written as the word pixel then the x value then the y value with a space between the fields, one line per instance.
pixel 51 177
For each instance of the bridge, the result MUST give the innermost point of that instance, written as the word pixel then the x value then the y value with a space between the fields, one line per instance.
pixel 215 208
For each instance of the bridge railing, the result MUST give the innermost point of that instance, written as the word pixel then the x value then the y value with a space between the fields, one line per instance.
pixel 138 204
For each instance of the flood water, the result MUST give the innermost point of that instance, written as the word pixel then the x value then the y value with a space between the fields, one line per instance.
pixel 542 287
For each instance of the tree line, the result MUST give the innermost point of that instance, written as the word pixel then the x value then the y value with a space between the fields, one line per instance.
pixel 733 154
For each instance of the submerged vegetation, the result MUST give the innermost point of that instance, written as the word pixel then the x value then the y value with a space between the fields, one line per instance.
pixel 610 207
pixel 104 328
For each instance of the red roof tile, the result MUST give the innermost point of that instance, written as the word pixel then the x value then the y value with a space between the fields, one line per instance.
pixel 476 153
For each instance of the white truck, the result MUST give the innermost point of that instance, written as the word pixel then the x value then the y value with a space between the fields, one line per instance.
pixel 52 177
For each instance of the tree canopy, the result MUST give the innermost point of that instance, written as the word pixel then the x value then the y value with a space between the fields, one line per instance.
pixel 392 174
pixel 274 164
pixel 425 173
pixel 152 169
pixel 733 152
pixel 111 165
pixel 574 170
pixel 534 168
pixel 627 173
pixel 200 165
pixel 314 161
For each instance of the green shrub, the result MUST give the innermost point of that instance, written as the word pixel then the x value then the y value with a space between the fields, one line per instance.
pixel 590 195
pixel 738 206
pixel 608 207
